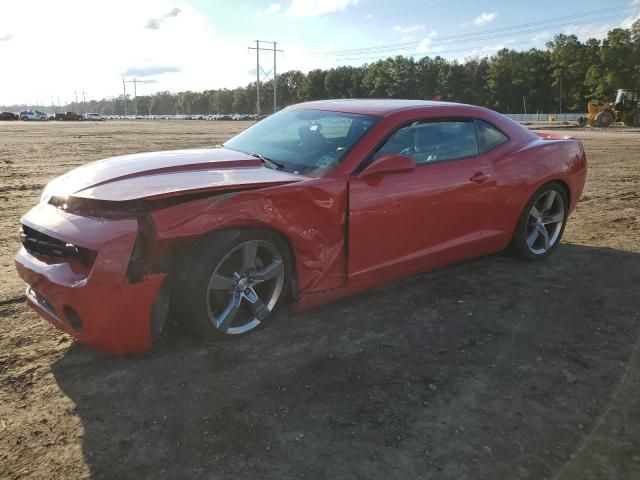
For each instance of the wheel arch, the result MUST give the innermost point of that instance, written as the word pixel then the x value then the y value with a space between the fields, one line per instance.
pixel 563 184
pixel 565 187
pixel 180 248
pixel 557 183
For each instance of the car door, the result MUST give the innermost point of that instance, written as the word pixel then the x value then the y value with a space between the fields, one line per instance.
pixel 404 222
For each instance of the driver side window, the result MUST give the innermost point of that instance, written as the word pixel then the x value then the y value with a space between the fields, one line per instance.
pixel 433 141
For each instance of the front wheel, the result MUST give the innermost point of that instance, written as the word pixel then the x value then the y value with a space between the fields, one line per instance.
pixel 542 223
pixel 604 119
pixel 231 282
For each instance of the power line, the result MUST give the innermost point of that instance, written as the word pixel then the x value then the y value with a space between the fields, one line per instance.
pixel 458 49
pixel 491 33
pixel 530 27
pixel 442 52
pixel 447 42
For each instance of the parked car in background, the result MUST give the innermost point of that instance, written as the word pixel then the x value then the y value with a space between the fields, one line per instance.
pixel 96 117
pixel 69 116
pixel 33 115
pixel 315 202
pixel 9 116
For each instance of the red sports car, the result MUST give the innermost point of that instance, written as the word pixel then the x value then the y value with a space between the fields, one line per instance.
pixel 318 201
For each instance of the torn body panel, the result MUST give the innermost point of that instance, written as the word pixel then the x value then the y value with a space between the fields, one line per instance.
pixel 309 215
pixel 99 306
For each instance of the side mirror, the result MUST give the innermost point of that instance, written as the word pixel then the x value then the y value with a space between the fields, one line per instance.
pixel 388 163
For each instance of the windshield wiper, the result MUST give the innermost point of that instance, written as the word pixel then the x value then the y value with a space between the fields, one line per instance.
pixel 268 162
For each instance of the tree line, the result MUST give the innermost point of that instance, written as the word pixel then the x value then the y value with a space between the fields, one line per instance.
pixel 561 78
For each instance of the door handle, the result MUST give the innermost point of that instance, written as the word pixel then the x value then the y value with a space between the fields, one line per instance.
pixel 480 177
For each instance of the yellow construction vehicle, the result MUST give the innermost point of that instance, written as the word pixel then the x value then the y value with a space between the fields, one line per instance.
pixel 625 109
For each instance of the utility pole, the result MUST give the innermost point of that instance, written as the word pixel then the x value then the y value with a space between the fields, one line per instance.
pixel 124 95
pixel 135 93
pixel 84 98
pixel 258 77
pixel 275 78
pixel 259 49
pixel 561 92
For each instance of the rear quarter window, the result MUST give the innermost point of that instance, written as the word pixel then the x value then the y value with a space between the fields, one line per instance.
pixel 489 137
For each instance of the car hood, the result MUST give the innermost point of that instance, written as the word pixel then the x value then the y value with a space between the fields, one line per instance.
pixel 164 174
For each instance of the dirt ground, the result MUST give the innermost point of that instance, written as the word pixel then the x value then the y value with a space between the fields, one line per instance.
pixel 492 369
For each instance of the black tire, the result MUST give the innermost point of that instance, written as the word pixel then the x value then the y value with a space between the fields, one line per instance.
pixel 604 119
pixel 195 267
pixel 636 119
pixel 519 246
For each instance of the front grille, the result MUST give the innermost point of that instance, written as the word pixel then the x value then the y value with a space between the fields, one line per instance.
pixel 42 245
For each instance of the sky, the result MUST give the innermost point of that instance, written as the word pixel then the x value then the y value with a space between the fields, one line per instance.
pixel 51 51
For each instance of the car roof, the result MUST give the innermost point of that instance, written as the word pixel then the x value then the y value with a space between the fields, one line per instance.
pixel 374 106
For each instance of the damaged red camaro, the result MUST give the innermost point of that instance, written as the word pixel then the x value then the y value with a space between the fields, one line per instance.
pixel 318 201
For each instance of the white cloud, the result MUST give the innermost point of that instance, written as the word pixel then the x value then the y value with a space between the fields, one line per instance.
pixel 426 44
pixel 585 32
pixel 423 46
pixel 409 29
pixel 494 48
pixel 272 9
pixel 165 55
pixel 315 8
pixel 155 23
pixel 627 22
pixel 541 37
pixel 485 17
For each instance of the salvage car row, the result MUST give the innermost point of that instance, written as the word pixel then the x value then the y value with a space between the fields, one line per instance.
pixel 41 116
pixel 36 115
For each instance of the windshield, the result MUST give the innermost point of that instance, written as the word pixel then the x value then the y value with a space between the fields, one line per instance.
pixel 310 142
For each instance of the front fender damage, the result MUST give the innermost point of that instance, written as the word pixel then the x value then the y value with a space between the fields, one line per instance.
pixel 311 216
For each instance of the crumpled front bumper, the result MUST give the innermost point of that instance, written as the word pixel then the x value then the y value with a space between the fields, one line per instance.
pixel 99 306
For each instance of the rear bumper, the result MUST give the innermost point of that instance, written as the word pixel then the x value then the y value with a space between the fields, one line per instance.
pixel 99 307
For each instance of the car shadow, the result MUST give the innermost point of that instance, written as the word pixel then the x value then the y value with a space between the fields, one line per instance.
pixel 490 369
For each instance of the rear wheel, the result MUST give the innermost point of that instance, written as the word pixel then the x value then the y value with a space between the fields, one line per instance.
pixel 232 282
pixel 604 119
pixel 542 223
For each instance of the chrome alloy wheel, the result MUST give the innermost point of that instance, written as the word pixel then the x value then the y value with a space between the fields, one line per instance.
pixel 245 287
pixel 545 222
